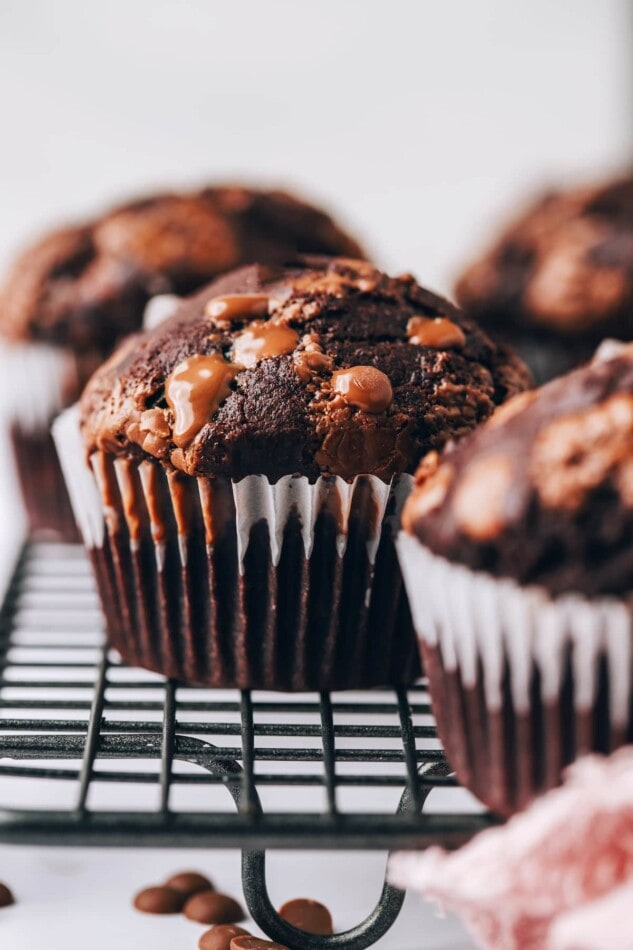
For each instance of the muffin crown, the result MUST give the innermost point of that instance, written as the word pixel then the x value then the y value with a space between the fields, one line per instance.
pixel 543 492
pixel 323 367
pixel 564 267
pixel 86 286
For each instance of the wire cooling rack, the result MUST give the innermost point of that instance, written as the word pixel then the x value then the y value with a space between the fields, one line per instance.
pixel 139 760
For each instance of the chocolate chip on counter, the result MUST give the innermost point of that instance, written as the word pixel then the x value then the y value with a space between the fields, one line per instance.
pixel 189 882
pixel 307 915
pixel 6 897
pixel 254 943
pixel 160 900
pixel 220 937
pixel 209 907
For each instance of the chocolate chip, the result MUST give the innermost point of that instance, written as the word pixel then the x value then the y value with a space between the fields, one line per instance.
pixel 437 332
pixel 189 882
pixel 209 907
pixel 194 391
pixel 220 937
pixel 224 310
pixel 6 897
pixel 363 386
pixel 254 943
pixel 307 915
pixel 160 900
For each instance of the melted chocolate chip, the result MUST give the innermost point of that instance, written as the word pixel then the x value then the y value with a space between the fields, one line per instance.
pixel 195 391
pixel 261 340
pixel 311 361
pixel 307 915
pixel 209 907
pixel 363 386
pixel 159 900
pixel 222 311
pixel 439 332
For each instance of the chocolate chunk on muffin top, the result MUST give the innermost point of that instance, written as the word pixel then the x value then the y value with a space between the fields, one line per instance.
pixel 564 267
pixel 325 366
pixel 86 286
pixel 543 492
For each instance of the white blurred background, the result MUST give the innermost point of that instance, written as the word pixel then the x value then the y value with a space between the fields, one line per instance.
pixel 419 122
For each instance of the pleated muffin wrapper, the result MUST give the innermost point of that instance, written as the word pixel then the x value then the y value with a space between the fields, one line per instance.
pixel 290 586
pixel 38 380
pixel 522 683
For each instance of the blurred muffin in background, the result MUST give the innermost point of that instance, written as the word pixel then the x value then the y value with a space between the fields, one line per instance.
pixel 240 470
pixel 517 553
pixel 559 278
pixel 73 294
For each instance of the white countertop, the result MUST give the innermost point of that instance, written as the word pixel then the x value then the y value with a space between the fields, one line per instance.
pixel 77 898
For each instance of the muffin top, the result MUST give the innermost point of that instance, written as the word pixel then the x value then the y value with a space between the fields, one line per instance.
pixel 86 286
pixel 543 492
pixel 326 366
pixel 563 268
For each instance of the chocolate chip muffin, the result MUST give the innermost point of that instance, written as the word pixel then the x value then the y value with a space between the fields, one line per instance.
pixel 251 456
pixel 559 279
pixel 73 294
pixel 517 551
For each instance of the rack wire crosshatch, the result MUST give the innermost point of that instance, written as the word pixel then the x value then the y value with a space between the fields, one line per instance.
pixel 207 767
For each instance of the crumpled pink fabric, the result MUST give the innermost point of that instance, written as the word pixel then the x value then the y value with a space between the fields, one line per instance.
pixel 603 924
pixel 508 884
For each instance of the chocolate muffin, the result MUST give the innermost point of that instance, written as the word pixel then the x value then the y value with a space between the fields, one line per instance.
pixel 75 293
pixel 251 456
pixel 517 552
pixel 559 279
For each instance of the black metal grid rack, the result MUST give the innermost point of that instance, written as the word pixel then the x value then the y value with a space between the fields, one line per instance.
pixel 207 767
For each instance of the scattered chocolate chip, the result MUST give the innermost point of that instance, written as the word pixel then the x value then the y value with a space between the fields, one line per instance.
pixel 6 897
pixel 254 943
pixel 307 915
pixel 160 900
pixel 209 907
pixel 189 882
pixel 220 937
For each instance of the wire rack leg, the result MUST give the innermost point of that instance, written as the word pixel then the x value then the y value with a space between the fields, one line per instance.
pixel 264 914
pixel 365 934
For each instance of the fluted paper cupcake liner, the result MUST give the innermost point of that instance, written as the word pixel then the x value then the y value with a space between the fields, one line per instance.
pixel 37 382
pixel 522 683
pixel 293 585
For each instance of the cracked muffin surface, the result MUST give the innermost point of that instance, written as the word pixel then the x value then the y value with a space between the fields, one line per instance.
pixel 327 366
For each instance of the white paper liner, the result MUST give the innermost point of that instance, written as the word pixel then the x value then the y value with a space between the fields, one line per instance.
pixel 35 380
pixel 475 618
pixel 256 499
pixel 80 480
pixel 35 376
